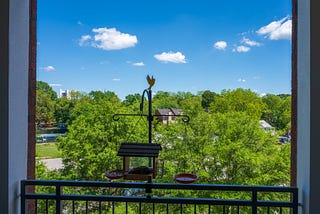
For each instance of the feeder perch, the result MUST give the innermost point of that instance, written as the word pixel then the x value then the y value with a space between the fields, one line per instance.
pixel 140 150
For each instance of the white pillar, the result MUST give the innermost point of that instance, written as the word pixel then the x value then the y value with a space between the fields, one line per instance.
pixel 308 128
pixel 14 101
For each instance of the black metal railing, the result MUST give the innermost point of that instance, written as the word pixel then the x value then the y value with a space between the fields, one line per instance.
pixel 139 197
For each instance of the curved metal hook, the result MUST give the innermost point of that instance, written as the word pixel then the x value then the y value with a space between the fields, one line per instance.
pixel 116 117
pixel 185 118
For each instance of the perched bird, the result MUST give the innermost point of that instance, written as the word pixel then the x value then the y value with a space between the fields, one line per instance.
pixel 151 81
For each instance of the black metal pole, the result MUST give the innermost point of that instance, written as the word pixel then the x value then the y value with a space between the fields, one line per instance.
pixel 150 116
pixel 150 119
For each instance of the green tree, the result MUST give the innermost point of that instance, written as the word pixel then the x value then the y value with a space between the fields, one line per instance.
pixel 107 95
pixel 208 97
pixel 165 100
pixel 132 98
pixel 63 110
pixel 45 103
pixel 227 148
pixel 238 100
pixel 47 89
pixel 278 111
pixel 93 139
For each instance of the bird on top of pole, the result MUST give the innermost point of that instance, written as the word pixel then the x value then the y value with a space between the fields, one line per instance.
pixel 151 81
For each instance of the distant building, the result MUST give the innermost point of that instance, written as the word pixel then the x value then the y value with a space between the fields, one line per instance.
pixel 167 115
pixel 266 126
pixel 65 93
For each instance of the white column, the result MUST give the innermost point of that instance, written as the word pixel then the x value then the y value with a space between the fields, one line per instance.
pixel 308 129
pixel 14 102
pixel 18 98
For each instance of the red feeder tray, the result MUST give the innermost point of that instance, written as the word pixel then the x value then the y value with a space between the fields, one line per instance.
pixel 114 174
pixel 185 178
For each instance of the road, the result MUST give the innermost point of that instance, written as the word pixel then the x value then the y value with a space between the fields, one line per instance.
pixel 54 163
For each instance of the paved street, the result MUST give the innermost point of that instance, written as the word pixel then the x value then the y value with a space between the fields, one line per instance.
pixel 54 163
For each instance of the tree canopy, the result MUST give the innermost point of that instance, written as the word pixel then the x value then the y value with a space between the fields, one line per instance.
pixel 222 144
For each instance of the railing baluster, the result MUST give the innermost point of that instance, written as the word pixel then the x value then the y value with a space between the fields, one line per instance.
pixel 58 198
pixel 195 209
pixel 73 207
pixel 153 208
pixel 254 201
pixel 23 200
pixel 36 204
pixel 126 207
pixel 100 207
pixel 167 208
pixel 112 207
pixel 47 206
pixel 180 208
pixel 86 206
pixel 224 209
pixel 209 210
pixel 140 208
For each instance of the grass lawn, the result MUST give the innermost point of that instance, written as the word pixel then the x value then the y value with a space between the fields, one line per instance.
pixel 47 150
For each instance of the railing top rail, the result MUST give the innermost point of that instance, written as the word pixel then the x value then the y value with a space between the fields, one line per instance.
pixel 225 187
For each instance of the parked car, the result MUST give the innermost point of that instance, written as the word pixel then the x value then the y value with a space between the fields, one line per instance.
pixel 284 139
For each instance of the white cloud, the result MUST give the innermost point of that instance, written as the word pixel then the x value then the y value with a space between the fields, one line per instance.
pixel 108 39
pixel 241 49
pixel 111 39
pixel 276 30
pixel 138 64
pixel 80 23
pixel 166 57
pixel 84 40
pixel 250 42
pixel 48 68
pixel 220 45
pixel 115 79
pixel 241 80
pixel 55 85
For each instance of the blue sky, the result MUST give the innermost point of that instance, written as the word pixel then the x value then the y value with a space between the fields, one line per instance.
pixel 186 45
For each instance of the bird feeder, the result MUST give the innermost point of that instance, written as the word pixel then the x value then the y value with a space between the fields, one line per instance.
pixel 142 151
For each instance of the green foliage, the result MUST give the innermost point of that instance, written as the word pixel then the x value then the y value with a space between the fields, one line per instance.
pixel 47 150
pixel 47 89
pixel 278 111
pixel 132 99
pixel 207 98
pixel 227 148
pixel 45 99
pixel 165 100
pixel 106 95
pixel 222 143
pixel 63 110
pixel 239 100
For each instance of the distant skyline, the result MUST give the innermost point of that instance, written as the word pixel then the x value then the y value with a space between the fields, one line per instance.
pixel 187 46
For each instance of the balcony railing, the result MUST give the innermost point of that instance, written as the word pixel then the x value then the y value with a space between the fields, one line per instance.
pixel 140 197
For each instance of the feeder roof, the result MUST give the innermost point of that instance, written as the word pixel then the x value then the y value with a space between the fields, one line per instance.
pixel 139 149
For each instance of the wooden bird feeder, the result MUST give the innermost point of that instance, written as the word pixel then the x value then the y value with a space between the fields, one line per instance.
pixel 148 151
pixel 140 150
